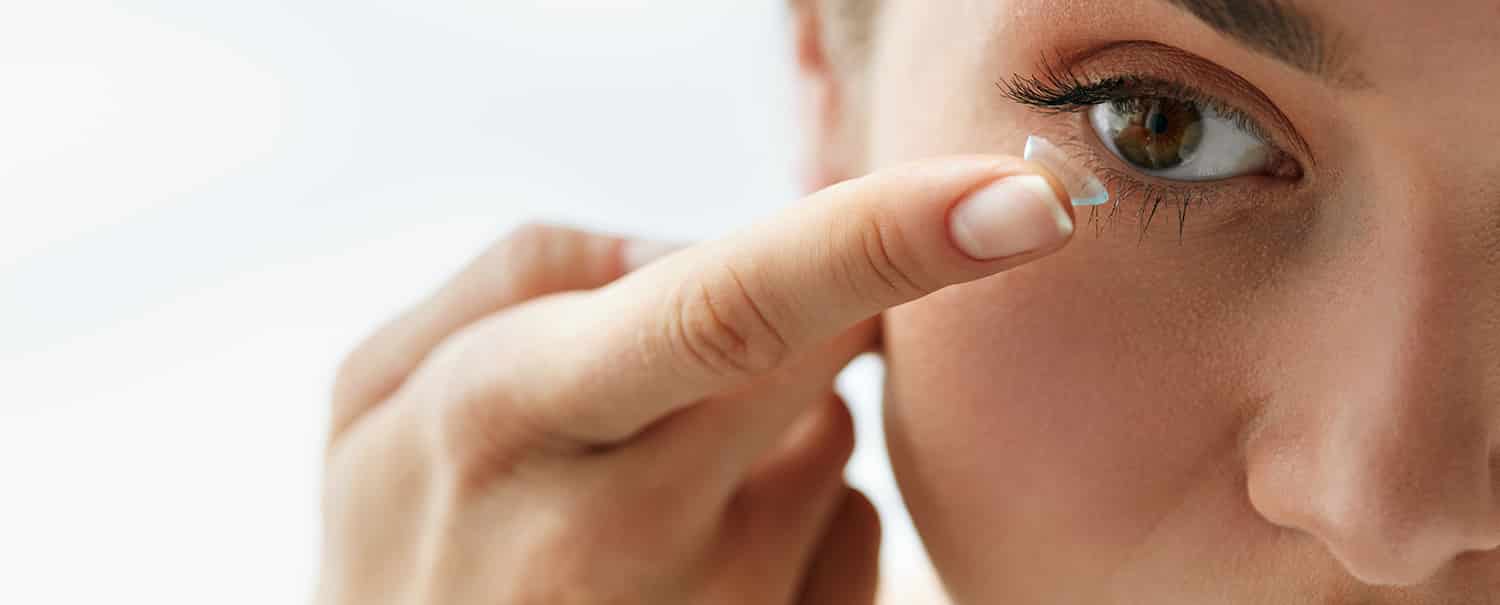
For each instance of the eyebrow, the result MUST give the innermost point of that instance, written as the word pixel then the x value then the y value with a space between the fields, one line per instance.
pixel 1273 28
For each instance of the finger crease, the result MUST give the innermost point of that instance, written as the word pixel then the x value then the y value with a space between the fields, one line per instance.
pixel 878 254
pixel 760 314
pixel 680 332
pixel 726 330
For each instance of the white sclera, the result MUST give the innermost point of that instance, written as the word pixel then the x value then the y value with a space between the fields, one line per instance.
pixel 1083 187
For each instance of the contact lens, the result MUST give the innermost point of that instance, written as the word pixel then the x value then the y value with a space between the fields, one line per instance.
pixel 1084 189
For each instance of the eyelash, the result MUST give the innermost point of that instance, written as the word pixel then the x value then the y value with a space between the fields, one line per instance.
pixel 1064 91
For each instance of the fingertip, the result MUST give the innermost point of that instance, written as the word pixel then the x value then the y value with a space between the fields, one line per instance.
pixel 1016 215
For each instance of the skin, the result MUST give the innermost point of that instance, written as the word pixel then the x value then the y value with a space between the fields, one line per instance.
pixel 1298 401
pixel 566 422
pixel 1295 400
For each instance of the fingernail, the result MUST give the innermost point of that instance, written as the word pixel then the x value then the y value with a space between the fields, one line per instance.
pixel 1015 215
pixel 639 253
pixel 1083 187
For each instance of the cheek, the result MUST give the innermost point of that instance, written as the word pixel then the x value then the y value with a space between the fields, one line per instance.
pixel 1048 423
pixel 1054 405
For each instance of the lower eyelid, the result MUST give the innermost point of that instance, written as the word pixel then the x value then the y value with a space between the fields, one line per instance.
pixel 1185 210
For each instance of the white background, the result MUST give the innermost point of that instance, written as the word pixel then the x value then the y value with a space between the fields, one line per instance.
pixel 206 203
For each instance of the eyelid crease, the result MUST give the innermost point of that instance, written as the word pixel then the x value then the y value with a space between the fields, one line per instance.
pixel 1146 62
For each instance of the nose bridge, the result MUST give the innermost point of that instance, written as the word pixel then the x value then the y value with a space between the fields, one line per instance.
pixel 1388 456
pixel 1440 235
pixel 1405 457
pixel 1407 445
pixel 1428 317
pixel 1425 310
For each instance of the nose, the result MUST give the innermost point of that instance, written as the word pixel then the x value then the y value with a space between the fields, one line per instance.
pixel 1394 494
pixel 1379 438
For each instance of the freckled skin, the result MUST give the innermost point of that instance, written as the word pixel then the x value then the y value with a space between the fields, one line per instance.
pixel 1297 402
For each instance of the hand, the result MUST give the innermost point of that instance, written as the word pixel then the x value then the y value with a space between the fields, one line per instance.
pixel 558 426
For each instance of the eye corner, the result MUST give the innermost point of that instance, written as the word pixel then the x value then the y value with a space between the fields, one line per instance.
pixel 1285 167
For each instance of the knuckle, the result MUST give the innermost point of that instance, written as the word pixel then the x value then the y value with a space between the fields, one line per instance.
pixel 723 327
pixel 481 429
pixel 885 258
pixel 478 444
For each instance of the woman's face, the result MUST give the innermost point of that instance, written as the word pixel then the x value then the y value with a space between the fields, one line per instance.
pixel 1279 385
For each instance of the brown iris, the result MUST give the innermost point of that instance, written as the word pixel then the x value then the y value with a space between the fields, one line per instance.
pixel 1155 134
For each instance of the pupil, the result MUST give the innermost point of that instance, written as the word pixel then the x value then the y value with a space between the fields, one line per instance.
pixel 1158 123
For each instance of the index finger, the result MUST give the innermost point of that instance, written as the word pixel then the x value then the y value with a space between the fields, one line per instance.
pixel 712 317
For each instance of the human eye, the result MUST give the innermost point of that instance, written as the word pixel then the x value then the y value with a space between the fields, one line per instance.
pixel 1166 129
pixel 1179 140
